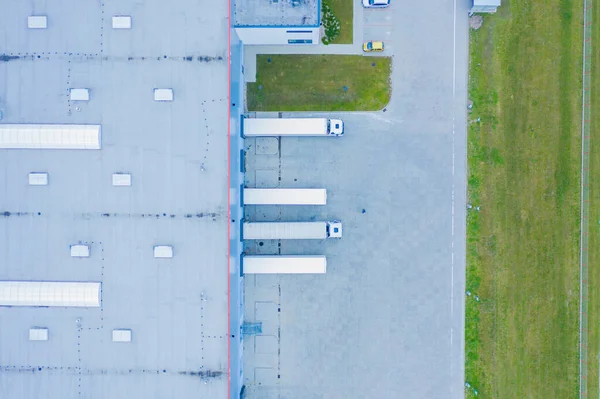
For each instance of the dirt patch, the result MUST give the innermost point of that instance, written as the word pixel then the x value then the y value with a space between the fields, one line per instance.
pixel 475 21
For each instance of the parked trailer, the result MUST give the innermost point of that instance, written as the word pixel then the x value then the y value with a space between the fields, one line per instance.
pixel 285 196
pixel 256 127
pixel 288 264
pixel 291 230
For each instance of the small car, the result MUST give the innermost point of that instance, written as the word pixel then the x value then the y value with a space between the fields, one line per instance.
pixel 372 46
pixel 375 3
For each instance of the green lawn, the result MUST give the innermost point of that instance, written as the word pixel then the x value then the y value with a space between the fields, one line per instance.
pixel 343 10
pixel 523 170
pixel 317 82
pixel 594 220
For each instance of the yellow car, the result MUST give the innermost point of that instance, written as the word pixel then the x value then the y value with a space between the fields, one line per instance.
pixel 372 46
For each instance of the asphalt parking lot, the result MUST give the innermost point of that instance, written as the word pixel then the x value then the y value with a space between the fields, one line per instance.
pixel 387 319
pixel 378 25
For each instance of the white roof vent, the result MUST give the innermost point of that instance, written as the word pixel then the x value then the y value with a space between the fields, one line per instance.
pixel 121 22
pixel 121 179
pixel 38 334
pixel 37 22
pixel 80 251
pixel 163 251
pixel 38 179
pixel 121 335
pixel 80 94
pixel 163 94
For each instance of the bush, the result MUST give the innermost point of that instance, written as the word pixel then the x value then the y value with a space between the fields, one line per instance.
pixel 331 25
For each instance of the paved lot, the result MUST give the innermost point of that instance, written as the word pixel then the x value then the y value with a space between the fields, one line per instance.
pixel 387 319
pixel 177 309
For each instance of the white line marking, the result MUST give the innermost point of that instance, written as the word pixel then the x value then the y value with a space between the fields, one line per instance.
pixel 452 282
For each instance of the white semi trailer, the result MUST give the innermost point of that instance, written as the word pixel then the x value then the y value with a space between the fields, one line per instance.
pixel 284 264
pixel 291 230
pixel 257 127
pixel 285 196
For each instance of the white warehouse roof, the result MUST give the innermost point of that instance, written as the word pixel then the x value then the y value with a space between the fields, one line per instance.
pixel 36 293
pixel 157 144
pixel 23 136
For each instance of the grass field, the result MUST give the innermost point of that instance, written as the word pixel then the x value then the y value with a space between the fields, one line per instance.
pixel 344 12
pixel 594 223
pixel 524 169
pixel 317 82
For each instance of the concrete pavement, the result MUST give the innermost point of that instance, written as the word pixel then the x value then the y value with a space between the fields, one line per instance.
pixel 387 320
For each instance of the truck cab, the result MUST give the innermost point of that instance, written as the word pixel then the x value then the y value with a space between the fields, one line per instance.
pixel 334 229
pixel 335 127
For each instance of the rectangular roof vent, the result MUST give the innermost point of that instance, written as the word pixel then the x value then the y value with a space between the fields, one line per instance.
pixel 121 22
pixel 80 251
pixel 163 251
pixel 121 179
pixel 38 334
pixel 80 94
pixel 38 179
pixel 163 94
pixel 121 335
pixel 37 22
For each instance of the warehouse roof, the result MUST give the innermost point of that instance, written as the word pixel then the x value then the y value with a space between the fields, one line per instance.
pixel 174 155
pixel 282 13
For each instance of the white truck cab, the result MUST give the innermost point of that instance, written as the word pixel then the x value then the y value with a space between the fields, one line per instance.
pixel 334 229
pixel 335 127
